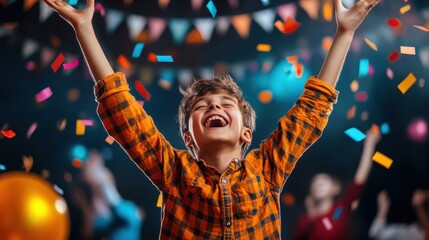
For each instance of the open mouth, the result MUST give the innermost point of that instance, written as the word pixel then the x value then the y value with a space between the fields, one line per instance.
pixel 215 121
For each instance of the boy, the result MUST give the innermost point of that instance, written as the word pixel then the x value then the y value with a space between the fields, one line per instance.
pixel 211 191
pixel 327 218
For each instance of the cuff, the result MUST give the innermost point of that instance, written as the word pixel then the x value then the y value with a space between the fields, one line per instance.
pixel 109 85
pixel 327 92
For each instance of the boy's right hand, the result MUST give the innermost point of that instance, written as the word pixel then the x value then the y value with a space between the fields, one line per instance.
pixel 73 16
pixel 383 202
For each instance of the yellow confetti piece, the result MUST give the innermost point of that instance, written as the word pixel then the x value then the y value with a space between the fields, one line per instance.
pixel 328 11
pixel 371 44
pixel 110 140
pixel 408 50
pixel 262 47
pixel 405 9
pixel 382 159
pixel 80 128
pixel 159 202
pixel 407 83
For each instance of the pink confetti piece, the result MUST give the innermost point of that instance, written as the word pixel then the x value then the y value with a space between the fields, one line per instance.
pixel 140 102
pixel 44 94
pixel 31 130
pixel 421 28
pixel 71 65
pixel 327 224
pixel 361 96
pixel 100 8
pixel 389 73
pixel 87 122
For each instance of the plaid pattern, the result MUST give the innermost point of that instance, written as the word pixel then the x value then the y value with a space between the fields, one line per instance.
pixel 243 202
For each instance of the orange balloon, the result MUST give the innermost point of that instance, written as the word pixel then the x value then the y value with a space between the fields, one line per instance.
pixel 31 209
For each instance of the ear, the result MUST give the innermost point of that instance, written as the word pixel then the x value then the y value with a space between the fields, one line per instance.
pixel 188 140
pixel 246 135
pixel 336 188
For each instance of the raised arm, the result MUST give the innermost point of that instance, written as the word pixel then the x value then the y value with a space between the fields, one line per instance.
pixel 419 198
pixel 81 21
pixel 348 20
pixel 365 164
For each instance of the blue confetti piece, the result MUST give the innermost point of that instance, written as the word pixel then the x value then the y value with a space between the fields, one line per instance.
pixel 337 213
pixel 2 167
pixel 212 8
pixel 385 128
pixel 355 134
pixel 164 58
pixel 363 67
pixel 73 2
pixel 265 2
pixel 138 48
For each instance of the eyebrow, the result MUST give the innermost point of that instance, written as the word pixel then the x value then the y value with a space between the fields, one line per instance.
pixel 198 99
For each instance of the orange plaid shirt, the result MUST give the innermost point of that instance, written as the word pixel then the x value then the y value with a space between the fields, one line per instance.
pixel 243 202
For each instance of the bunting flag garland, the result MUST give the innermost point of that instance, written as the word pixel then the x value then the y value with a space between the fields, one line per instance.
pixel 222 25
pixel 265 19
pixel 179 29
pixel 29 47
pixel 156 28
pixel 205 27
pixel 242 24
pixel 135 25
pixel 113 19
pixel 44 11
pixel 287 10
pixel 196 4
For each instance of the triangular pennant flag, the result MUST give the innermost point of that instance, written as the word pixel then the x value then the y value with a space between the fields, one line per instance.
pixel 237 71
pixel 29 4
pixel 179 28
pixel 311 7
pixel 205 27
pixel 242 24
pixel 287 10
pixel 185 76
pixel 135 25
pixel 29 47
pixel 47 55
pixel 156 27
pixel 233 3
pixel 222 25
pixel 44 11
pixel 196 4
pixel 194 37
pixel 163 3
pixel 265 19
pixel 113 19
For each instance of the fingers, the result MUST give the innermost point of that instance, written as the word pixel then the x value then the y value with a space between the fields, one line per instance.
pixel 339 6
pixel 90 3
pixel 50 3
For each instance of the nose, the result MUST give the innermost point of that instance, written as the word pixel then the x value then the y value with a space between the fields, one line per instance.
pixel 214 105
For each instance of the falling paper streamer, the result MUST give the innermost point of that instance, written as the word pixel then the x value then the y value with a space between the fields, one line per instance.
pixel 31 130
pixel 408 50
pixel 407 83
pixel 8 133
pixel 327 224
pixel 421 28
pixel 57 62
pixel 375 129
pixel 262 47
pixel 385 128
pixel 142 90
pixel 27 162
pixel 328 11
pixel 382 159
pixel 288 199
pixel 405 9
pixel 77 163
pixel 371 44
pixel 355 134
pixel 124 62
pixel 196 4
pixel 71 65
pixel 337 213
pixel 80 128
pixel 159 201
pixel 43 95
pixel 138 48
pixel 110 140
pixel 288 27
pixel 164 58
pixel 212 8
pixel 393 56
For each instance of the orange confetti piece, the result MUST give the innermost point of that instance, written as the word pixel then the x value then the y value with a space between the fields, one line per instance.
pixel 405 9
pixel 123 61
pixel 328 11
pixel 27 162
pixel 292 59
pixel 354 86
pixel 110 140
pixel 151 57
pixel 288 27
pixel 61 124
pixel 408 50
pixel 421 28
pixel 375 128
pixel 8 133
pixel 382 159
pixel 159 202
pixel 288 199
pixel 327 43
pixel 262 47
pixel 142 90
pixel 265 96
pixel 351 112
pixel 407 83
pixel 371 44
pixel 77 163
pixel 80 128
pixel 299 69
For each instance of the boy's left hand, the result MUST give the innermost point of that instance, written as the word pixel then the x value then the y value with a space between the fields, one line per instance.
pixel 348 20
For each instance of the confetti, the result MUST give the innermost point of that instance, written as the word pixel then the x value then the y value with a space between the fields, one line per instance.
pixel 351 112
pixel 151 57
pixel 288 27
pixel 2 167
pixel 382 160
pixel 337 213
pixel 57 63
pixel 407 83
pixel 327 43
pixel 100 9
pixel 71 65
pixel 27 162
pixel 265 96
pixel 405 9
pixel 164 58
pixel 140 102
pixel 142 90
pixel 58 189
pixel 8 133
pixel 327 224
pixel 394 22
pixel 375 129
pixel 212 8
pixel 45 173
pixel 123 61
pixel 421 28
pixel 80 128
pixel 371 44
pixel 288 199
pixel 138 48
pixel 355 134
pixel 385 128
pixel 261 47
pixel 408 50
pixel 363 67
pixel 68 177
pixel 73 2
pixel 31 130
pixel 110 140
pixel 159 202
pixel 61 124
pixel 361 96
pixel 389 73
pixel 299 69
pixel 43 95
pixel 87 122
pixel 364 116
pixel 393 56
pixel 292 59
pixel 77 163
pixel 354 86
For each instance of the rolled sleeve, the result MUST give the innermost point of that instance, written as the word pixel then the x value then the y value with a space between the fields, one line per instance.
pixel 109 85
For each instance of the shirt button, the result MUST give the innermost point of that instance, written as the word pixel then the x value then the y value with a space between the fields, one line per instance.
pixel 228 224
pixel 195 182
pixel 224 180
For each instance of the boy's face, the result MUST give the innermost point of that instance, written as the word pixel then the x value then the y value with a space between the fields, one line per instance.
pixel 216 122
pixel 324 186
